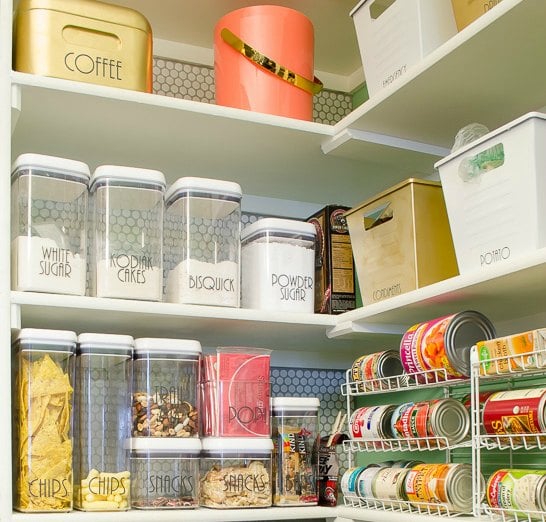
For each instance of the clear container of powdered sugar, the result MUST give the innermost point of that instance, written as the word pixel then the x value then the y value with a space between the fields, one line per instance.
pixel 202 242
pixel 126 220
pixel 48 224
pixel 278 265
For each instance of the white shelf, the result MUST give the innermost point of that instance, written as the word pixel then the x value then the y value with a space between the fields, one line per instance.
pixel 187 515
pixel 378 515
pixel 472 77
pixel 268 155
pixel 503 292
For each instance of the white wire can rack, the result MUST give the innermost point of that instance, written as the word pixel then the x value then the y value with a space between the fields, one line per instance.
pixel 409 444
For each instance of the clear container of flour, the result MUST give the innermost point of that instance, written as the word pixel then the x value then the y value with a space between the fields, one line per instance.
pixel 278 265
pixel 48 224
pixel 202 242
pixel 126 220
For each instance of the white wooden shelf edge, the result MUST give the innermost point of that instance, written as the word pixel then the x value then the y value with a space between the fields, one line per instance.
pixel 24 80
pixel 372 515
pixel 175 515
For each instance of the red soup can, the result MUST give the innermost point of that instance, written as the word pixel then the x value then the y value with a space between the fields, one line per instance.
pixel 444 344
pixel 515 411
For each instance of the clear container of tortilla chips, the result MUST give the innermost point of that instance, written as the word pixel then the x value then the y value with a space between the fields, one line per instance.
pixel 42 394
pixel 102 422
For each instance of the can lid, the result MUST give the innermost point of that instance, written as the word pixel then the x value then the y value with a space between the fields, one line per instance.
pixel 91 9
pixel 129 175
pixel 63 338
pixel 52 164
pixel 459 492
pixel 238 444
pixel 277 226
pixel 295 403
pixel 465 330
pixel 450 419
pixel 110 344
pixel 165 444
pixel 212 187
pixel 171 346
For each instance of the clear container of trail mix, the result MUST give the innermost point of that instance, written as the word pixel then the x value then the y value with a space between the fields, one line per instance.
pixel 165 473
pixel 165 381
pixel 235 472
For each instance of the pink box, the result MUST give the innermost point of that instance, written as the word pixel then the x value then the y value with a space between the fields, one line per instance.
pixel 235 393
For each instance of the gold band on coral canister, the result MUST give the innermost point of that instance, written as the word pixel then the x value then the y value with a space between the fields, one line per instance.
pixel 311 86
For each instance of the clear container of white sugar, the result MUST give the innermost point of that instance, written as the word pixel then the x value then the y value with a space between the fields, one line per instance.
pixel 278 265
pixel 202 242
pixel 126 220
pixel 49 197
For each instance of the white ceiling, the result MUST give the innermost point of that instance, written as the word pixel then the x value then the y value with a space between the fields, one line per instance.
pixel 192 22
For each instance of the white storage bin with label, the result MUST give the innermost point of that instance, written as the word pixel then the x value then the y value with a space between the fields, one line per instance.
pixel 495 193
pixel 127 225
pixel 49 224
pixel 278 265
pixel 203 242
pixel 393 35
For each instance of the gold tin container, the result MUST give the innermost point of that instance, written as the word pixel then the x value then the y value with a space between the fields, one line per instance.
pixel 401 240
pixel 84 40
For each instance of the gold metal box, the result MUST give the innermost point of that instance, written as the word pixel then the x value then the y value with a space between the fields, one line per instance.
pixel 401 240
pixel 84 40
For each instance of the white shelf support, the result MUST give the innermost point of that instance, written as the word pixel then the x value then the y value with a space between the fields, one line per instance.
pixel 15 105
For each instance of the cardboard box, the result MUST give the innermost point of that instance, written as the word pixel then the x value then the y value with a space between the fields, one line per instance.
pixel 334 264
pixel 495 192
pixel 401 240
pixel 466 11
pixel 393 35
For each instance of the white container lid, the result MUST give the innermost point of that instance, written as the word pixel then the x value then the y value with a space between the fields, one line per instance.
pixel 167 346
pixel 237 444
pixel 106 343
pixel 279 226
pixel 53 164
pixel 295 403
pixel 214 187
pixel 165 444
pixel 128 175
pixel 61 338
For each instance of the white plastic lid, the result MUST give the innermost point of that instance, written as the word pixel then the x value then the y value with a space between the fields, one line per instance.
pixel 128 174
pixel 51 163
pixel 212 186
pixel 295 403
pixel 165 444
pixel 279 226
pixel 238 444
pixel 54 338
pixel 106 343
pixel 171 346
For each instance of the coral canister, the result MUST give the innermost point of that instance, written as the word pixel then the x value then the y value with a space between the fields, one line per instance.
pixel 84 40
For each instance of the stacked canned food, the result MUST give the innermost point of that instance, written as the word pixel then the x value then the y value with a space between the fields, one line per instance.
pixel 424 425
pixel 514 418
pixel 410 485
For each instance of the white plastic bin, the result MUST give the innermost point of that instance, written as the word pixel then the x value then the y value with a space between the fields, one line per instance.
pixel 393 35
pixel 495 193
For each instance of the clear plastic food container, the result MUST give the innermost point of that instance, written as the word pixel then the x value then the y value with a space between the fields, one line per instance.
pixel 49 224
pixel 165 388
pixel 295 457
pixel 235 473
pixel 202 242
pixel 42 393
pixel 165 473
pixel 127 224
pixel 278 265
pixel 101 426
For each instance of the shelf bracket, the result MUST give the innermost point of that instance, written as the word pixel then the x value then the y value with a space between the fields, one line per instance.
pixel 15 317
pixel 15 105
pixel 350 328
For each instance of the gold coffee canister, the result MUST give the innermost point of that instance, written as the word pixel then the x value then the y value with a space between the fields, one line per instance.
pixel 84 40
